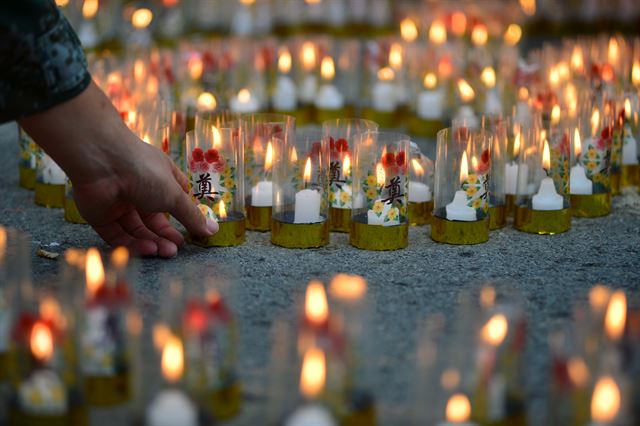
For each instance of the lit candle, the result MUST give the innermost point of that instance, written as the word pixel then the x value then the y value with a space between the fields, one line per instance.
pixel 172 406
pixel 630 145
pixel 493 334
pixel 262 193
pixel 87 32
pixel 512 169
pixel 492 103
pixel 284 96
pixel 430 101
pixel 328 98
pixel 579 183
pixel 418 192
pixel 438 32
pixel 605 402
pixel 479 35
pixel 547 198
pixel 307 206
pixel 140 20
pixel 465 114
pixel 458 411
pixel 307 92
pixel 380 213
pixel 458 208
pixel 383 93
pixel 206 102
pixel 244 102
pixel 242 21
pixel 408 30
pixel 615 317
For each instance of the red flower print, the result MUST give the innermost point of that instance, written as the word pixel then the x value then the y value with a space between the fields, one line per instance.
pixel 388 159
pixel 342 145
pixel 165 145
pixel 196 316
pixel 401 157
pixel 203 167
pixel 606 133
pixel 197 155
pixel 332 144
pixel 212 155
pixel 485 162
pixel 315 149
pixel 193 166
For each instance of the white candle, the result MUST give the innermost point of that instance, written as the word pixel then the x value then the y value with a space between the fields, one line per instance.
pixel 492 103
pixel 52 173
pixel 172 407
pixel 262 194
pixel 419 192
pixel 629 148
pixel 547 198
pixel 43 393
pixel 523 112
pixel 284 97
pixel 307 208
pixel 511 178
pixel 244 102
pixel 308 89
pixel 466 116
pixel 459 210
pixel 579 183
pixel 329 98
pixel 430 104
pixel 242 21
pixel 383 93
pixel 374 219
pixel 310 415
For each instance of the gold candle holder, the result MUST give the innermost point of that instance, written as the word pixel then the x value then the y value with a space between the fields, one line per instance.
pixel 630 175
pixel 420 184
pixel 71 213
pixel 27 168
pixel 499 126
pixel 420 213
pixel 50 183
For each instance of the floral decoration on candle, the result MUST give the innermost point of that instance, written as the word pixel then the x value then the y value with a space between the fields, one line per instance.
pixel 386 191
pixel 340 179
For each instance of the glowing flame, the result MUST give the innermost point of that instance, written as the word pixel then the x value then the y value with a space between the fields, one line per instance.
pixel 94 271
pixel 516 145
pixel 90 9
pixel 206 102
pixel 487 297
pixel 348 287
pixel 595 121
pixel 268 158
pixel 41 341
pixel 495 330
pixel 464 168
pixel 577 143
pixel 466 91
pixel 474 163
pixel 386 74
pixel 3 241
pixel 563 70
pixel 244 96
pixel 523 94
pixel 577 60
pixel 307 171
pixel 450 378
pixel 417 168
pixel 395 56
pixel 120 257
pixel 222 210
pixel 172 359
pixel 408 30
pixel 437 32
pixel 598 297
pixel 216 136
pixel 430 81
pixel 346 165
pixel 635 73
pixel 139 71
pixel 578 371
pixel 141 18
pixel 616 316
pixel 488 77
pixel 555 114
pixel 605 402
pixel 294 155
pixel 613 51
pixel 161 334
pixel 316 309
pixel 528 7
pixel 554 77
pixel 62 3
pixel 445 68
pixel 381 177
pixel 313 374
pixel 546 156
pixel 458 408
pixel 308 56
pixel 513 34
pixel 146 138
pixel 479 35
pixel 627 108
pixel 195 66
pixel 608 73
pixel 327 68
pixel 284 62
pixel 458 23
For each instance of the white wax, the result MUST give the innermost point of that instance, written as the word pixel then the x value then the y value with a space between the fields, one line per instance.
pixel 629 149
pixel 51 172
pixel 345 188
pixel 336 12
pixel 492 103
pixel 523 177
pixel 419 192
pixel 578 181
pixel 308 89
pixel 466 115
pixel 170 408
pixel 523 112
pixel 373 219
pixel 242 22
pixel 459 210
pixel 547 198
pixel 430 104
pixel 262 194
pixel 88 35
pixel 383 96
pixel 310 415
pixel 43 393
pixel 248 106
pixel 307 208
pixel 329 97
pixel 284 97
pixel 497 398
pixel 511 178
pixel 445 423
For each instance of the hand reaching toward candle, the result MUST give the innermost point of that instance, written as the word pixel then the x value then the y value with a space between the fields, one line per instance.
pixel 122 186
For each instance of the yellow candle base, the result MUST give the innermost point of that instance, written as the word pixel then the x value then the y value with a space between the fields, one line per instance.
pixel 378 237
pixel 51 196
pixel 630 175
pixel 306 114
pixel 107 391
pixel 615 183
pixel 323 115
pixel 386 120
pixel 259 218
pixel 510 205
pixel 299 235
pixel 71 213
pixel 459 232
pixel 595 205
pixel 497 217
pixel 77 416
pixel 424 128
pixel 543 222
pixel 339 220
pixel 231 233
pixel 4 366
pixel 420 213
pixel 225 403
pixel 27 177
pixel 364 417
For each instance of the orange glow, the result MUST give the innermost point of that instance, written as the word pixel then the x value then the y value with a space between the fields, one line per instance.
pixel 445 68
pixel 555 115
pixel 217 138
pixel 458 23
pixel 528 7
pixel 487 297
pixel 306 177
pixel 417 168
pixel 467 94
pixel 616 316
pixel 284 62
pixel 146 138
pixel 627 108
pixel 474 163
pixel 438 32
pixel 195 66
pixel 563 70
pixel 308 56
pixel 161 335
pixel 516 145
pixel 313 374
pixel 316 308
pixel 62 3
pixel 605 402
pixel 608 73
pixel 488 77
pixel 578 371
pixel 408 30
pixel 381 177
pixel 595 121
pixel 458 408
pixel 495 330
pixel 613 52
pixel 577 143
pixel 94 271
pixel 141 18
pixel 635 73
pixel 479 35
pixel 268 158
pixel 464 168
pixel 450 378
pixel 172 359
pixel 294 155
pixel 50 311
pixel 546 156
pixel 244 96
pixel 327 68
pixel 3 241
pixel 554 77
pixel 41 341
pixel 386 74
pixel 346 165
pixel 395 56
pixel 513 34
pixel 120 257
pixel 206 102
pixel 222 210
pixel 90 9
pixel 523 94
pixel 139 71
pixel 348 287
pixel 430 81
pixel 598 297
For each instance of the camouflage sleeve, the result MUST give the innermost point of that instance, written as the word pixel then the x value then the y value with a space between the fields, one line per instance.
pixel 41 60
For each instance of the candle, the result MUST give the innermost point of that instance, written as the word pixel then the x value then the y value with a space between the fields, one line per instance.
pixel 578 181
pixel 383 94
pixel 430 101
pixel 262 193
pixel 629 147
pixel 244 102
pixel 242 21
pixel 418 192
pixel 87 33
pixel 382 213
pixel 492 103
pixel 309 85
pixel 328 98
pixel 307 206
pixel 51 173
pixel 458 208
pixel 547 198
pixel 512 168
pixel 605 402
pixel 284 96
pixel 465 114
pixel 311 415
pixel 458 411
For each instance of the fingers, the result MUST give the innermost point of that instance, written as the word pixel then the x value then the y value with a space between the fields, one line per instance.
pixel 115 236
pixel 159 224
pixel 186 212
pixel 180 177
pixel 134 226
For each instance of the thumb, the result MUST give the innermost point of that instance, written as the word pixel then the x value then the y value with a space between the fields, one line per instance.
pixel 186 212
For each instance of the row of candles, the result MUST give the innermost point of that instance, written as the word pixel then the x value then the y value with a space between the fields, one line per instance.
pixel 85 346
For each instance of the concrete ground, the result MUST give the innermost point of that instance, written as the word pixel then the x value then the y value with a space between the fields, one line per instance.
pixel 551 273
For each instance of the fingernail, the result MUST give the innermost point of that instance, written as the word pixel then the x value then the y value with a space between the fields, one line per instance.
pixel 212 226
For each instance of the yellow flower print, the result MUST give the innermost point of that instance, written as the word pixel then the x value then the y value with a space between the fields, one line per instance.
pixel 378 207
pixel 228 183
pixel 392 214
pixel 226 172
pixel 371 180
pixel 472 179
pixel 332 197
pixel 471 190
pixel 32 146
pixel 344 197
pixel 592 154
pixel 476 203
pixel 591 165
pixel 227 197
pixel 372 193
pixel 248 171
pixel 403 210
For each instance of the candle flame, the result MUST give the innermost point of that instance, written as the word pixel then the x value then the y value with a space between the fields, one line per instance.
pixel 294 155
pixel 595 121
pixel 554 77
pixel 195 66
pixel 307 171
pixel 598 297
pixel 605 401
pixel 381 177
pixel 608 73
pixel 62 3
pixel 327 68
pixel 578 371
pixel 445 68
pixel 346 165
pixel 495 330
pixel 120 257
pixel 563 70
pixel 417 168
pixel 94 271
pixel 546 156
pixel 474 163
pixel 206 102
pixel 284 62
pixel 90 9
pixel 386 74
pixel 487 297
pixel 141 18
pixel 268 158
pixel 3 241
pixel 348 287
pixel 395 56
pixel 627 108
pixel 217 137
pixel 458 408
pixel 308 56
pixel 523 94
pixel 146 138
pixel 222 210
pixel 555 115
pixel 172 359
pixel 161 334
pixel 513 34
pixel 466 91
pixel 577 60
pixel 139 71
pixel 316 308
pixel 464 168
pixel 244 96
pixel 528 7
pixel 437 32
pixel 635 73
pixel 430 81
pixel 488 77
pixel 458 23
pixel 408 30
pixel 479 35
pixel 577 143
pixel 516 145
pixel 616 316
pixel 41 341
pixel 313 374
pixel 613 51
